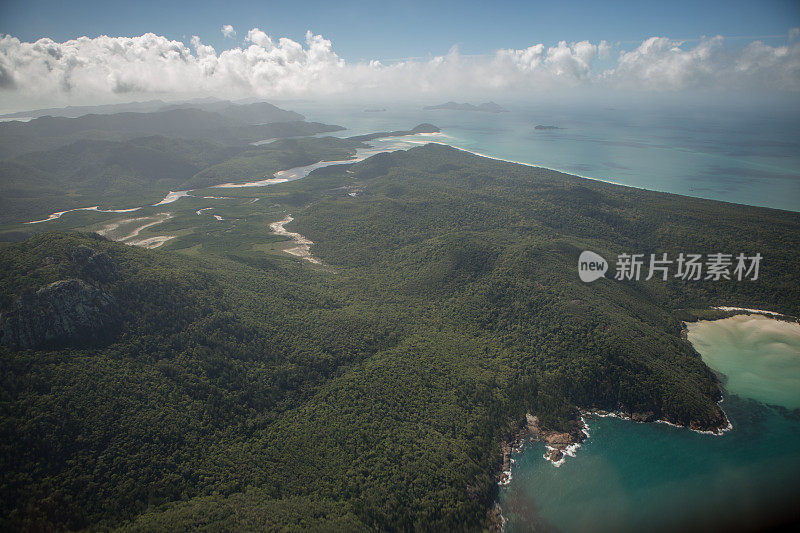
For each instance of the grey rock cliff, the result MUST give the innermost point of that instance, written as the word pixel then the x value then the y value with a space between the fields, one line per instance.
pixel 66 312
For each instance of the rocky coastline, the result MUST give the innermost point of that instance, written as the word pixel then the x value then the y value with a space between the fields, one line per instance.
pixel 560 444
pixel 651 417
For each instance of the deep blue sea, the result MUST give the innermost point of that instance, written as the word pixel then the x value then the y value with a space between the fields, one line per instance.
pixel 737 152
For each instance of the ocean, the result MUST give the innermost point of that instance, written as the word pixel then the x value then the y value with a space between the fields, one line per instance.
pixel 747 154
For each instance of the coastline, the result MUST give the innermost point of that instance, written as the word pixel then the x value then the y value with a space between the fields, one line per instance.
pixel 765 316
pixel 755 353
pixel 747 311
pixel 568 172
pixel 642 418
pixel 757 311
pixel 559 444
pixel 611 182
pixel 558 452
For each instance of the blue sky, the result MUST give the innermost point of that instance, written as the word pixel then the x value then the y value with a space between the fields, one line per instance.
pixel 407 28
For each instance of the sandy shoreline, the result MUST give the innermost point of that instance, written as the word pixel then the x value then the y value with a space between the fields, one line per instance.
pixel 758 353
pixel 745 309
pixel 533 165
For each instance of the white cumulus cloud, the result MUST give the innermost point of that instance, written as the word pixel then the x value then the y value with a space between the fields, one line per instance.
pixel 663 64
pixel 660 63
pixel 95 69
pixel 228 31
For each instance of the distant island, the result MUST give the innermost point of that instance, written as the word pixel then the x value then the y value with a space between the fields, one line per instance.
pixel 487 107
pixel 543 127
pixel 377 110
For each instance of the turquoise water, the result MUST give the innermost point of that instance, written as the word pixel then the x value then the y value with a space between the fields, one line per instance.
pixel 634 477
pixel 730 152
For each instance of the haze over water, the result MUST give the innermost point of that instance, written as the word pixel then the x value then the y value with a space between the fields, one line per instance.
pixel 729 152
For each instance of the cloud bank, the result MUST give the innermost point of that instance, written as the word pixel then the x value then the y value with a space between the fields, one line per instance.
pixel 105 68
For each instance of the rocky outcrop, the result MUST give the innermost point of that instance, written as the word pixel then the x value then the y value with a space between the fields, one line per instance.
pixel 648 416
pixel 66 312
pixel 559 443
pixel 554 455
pixel 554 439
pixel 93 265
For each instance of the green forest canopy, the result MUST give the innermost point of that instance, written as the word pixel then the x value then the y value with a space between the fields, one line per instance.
pixel 241 393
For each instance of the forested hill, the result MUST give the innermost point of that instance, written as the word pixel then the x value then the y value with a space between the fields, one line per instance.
pixel 412 198
pixel 251 113
pixel 228 394
pixel 229 125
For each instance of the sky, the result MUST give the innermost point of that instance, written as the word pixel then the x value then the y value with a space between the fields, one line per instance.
pixel 270 48
pixel 393 30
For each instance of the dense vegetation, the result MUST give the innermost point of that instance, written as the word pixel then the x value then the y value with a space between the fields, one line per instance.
pixel 254 113
pixel 125 174
pixel 223 122
pixel 245 390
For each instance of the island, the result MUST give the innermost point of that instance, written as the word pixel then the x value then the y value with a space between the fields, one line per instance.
pixel 544 127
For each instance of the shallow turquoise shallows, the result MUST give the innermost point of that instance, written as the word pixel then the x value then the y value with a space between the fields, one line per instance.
pixel 635 477
pixel 759 356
